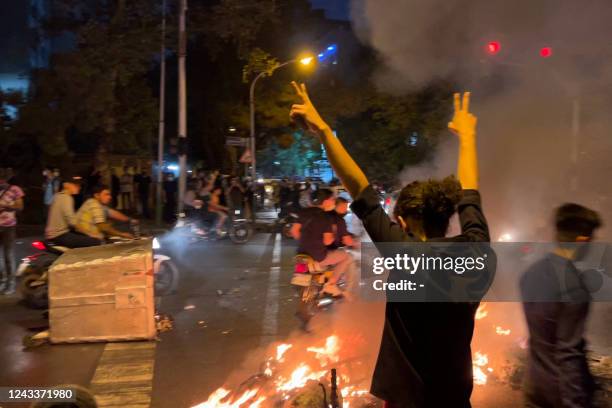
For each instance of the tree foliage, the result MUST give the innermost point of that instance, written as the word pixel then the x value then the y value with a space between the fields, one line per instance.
pixel 96 95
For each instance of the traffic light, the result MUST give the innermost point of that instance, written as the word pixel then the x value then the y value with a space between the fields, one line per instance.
pixel 493 47
pixel 545 52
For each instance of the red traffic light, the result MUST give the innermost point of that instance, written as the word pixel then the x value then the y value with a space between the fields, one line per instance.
pixel 545 52
pixel 493 47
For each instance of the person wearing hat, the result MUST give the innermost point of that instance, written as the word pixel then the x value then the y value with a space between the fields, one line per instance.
pixel 61 222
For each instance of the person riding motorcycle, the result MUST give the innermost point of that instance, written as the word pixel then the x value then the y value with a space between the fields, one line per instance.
pixel 92 217
pixel 61 228
pixel 314 231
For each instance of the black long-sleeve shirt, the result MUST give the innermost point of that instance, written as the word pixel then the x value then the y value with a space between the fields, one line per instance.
pixel 425 357
pixel 556 305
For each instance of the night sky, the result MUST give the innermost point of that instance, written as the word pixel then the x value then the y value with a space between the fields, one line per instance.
pixel 13 36
pixel 335 9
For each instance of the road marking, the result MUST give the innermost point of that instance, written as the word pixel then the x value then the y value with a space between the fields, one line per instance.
pixel 124 376
pixel 270 321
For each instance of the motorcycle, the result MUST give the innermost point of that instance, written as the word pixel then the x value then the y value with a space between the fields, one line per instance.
pixel 237 227
pixel 309 279
pixel 33 272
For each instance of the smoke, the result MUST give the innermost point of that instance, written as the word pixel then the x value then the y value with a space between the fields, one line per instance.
pixel 527 105
pixel 544 124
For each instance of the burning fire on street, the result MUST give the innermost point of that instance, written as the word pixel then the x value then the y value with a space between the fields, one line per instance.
pixel 283 380
pixel 297 373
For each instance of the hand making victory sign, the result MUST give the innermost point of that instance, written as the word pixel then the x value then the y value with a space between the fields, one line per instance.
pixel 463 122
pixel 463 125
pixel 306 111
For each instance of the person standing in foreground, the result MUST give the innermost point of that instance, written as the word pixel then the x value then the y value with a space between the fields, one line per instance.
pixel 424 358
pixel 11 201
pixel 556 304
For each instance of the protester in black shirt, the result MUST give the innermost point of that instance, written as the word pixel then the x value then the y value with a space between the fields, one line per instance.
pixel 425 357
pixel 556 305
pixel 314 231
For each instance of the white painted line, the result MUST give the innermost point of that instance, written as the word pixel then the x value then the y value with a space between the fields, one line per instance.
pixel 276 251
pixel 270 319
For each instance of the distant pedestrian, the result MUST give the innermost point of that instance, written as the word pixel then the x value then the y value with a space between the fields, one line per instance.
pixel 51 185
pixel 170 199
pixel 127 189
pixel 235 194
pixel 143 182
pixel 284 197
pixel 11 201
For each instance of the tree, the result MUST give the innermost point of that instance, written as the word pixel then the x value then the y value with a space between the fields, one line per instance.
pixel 291 154
pixel 96 96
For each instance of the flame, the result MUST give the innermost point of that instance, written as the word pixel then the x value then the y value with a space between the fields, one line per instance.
pixel 216 398
pixel 284 379
pixel 281 350
pixel 502 332
pixel 329 353
pixel 480 378
pixel 298 379
pixel 481 312
pixel 479 360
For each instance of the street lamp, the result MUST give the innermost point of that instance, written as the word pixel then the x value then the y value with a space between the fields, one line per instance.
pixel 304 61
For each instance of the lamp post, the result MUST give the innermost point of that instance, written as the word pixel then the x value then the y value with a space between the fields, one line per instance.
pixel 303 61
pixel 182 103
pixel 162 108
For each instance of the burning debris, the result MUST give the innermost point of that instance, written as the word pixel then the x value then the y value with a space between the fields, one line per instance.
pixel 310 383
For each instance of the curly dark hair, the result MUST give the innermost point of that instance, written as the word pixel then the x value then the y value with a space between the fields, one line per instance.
pixel 433 202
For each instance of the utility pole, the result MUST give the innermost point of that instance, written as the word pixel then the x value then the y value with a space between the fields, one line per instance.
pixel 162 121
pixel 182 104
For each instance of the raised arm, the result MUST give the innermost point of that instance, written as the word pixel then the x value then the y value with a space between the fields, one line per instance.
pixel 463 125
pixel 349 173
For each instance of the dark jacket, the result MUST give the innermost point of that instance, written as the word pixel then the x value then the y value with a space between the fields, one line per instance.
pixel 425 357
pixel 556 305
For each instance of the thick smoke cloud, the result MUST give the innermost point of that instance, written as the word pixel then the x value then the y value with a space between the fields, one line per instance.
pixel 527 105
pixel 535 114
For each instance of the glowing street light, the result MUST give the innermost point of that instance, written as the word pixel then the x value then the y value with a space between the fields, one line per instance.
pixel 306 60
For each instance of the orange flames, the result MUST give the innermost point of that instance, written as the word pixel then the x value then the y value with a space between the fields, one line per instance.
pixel 216 400
pixel 282 383
pixel 481 364
pixel 481 312
pixel 501 331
